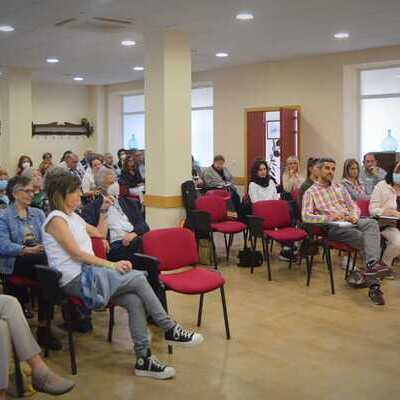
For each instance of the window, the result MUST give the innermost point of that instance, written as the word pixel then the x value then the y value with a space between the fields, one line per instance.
pixel 380 110
pixel 133 117
pixel 133 121
pixel 203 126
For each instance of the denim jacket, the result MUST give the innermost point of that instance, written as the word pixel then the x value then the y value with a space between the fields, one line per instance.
pixel 12 234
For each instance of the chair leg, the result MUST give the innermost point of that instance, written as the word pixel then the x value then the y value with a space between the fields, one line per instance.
pixel 266 255
pixel 214 251
pixel 48 331
pixel 226 321
pixel 74 370
pixel 253 242
pixel 245 236
pixel 309 269
pixel 271 246
pixel 347 266
pixel 329 262
pixel 354 260
pixel 226 247
pixel 170 348
pixel 200 314
pixel 19 383
pixel 111 324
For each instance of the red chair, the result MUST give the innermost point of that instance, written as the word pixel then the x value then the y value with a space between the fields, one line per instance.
pixel 277 225
pixel 225 194
pixel 215 206
pixel 176 248
pixel 363 205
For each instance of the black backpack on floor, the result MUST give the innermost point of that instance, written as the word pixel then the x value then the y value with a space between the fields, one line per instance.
pixel 250 258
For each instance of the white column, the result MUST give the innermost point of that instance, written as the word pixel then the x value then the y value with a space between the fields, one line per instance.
pixel 168 125
pixel 97 104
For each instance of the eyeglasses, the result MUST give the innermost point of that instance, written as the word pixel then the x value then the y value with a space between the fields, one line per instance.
pixel 27 191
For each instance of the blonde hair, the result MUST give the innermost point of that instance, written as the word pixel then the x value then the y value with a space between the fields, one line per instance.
pixel 291 159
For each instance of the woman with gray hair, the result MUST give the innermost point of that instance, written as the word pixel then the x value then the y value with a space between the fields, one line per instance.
pixel 21 247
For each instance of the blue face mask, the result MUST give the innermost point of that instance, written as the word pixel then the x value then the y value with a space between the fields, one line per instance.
pixel 3 184
pixel 396 179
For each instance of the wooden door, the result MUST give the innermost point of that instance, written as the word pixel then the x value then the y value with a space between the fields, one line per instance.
pixel 255 138
pixel 290 119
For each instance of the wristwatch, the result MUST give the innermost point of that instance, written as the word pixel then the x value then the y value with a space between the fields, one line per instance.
pixel 103 211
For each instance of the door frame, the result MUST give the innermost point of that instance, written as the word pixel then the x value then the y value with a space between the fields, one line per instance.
pixel 263 109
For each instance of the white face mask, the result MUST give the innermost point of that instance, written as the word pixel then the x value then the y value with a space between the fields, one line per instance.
pixel 113 190
pixel 123 156
pixel 26 164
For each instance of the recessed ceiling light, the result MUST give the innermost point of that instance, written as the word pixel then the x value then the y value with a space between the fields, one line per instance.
pixel 128 42
pixel 221 54
pixel 341 35
pixel 52 60
pixel 6 28
pixel 138 68
pixel 244 16
pixel 78 78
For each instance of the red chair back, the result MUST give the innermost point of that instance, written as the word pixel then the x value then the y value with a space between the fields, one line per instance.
pixel 174 247
pixel 98 247
pixel 276 213
pixel 363 205
pixel 220 193
pixel 213 205
pixel 123 190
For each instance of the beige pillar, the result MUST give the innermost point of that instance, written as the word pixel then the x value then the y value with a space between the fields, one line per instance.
pixel 168 127
pixel 97 106
pixel 16 105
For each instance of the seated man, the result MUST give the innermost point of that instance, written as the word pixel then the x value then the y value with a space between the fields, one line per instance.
pixel 120 219
pixel 328 203
pixel 371 174
pixel 217 176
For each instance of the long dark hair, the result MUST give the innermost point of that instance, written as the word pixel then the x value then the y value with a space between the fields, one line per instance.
pixel 264 182
pixel 21 161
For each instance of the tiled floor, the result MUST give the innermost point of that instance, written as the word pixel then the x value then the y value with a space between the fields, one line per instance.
pixel 288 342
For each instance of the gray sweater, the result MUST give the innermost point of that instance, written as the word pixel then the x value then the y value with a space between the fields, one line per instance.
pixel 212 179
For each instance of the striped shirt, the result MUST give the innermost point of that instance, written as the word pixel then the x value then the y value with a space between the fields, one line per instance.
pixel 320 201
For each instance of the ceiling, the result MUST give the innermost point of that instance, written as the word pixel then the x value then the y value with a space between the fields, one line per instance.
pixel 280 29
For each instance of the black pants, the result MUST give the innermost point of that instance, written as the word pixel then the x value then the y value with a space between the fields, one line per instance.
pixel 25 266
pixel 120 252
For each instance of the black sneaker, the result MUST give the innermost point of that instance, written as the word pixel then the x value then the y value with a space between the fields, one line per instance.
pixel 287 255
pixel 150 367
pixel 183 337
pixel 54 343
pixel 376 295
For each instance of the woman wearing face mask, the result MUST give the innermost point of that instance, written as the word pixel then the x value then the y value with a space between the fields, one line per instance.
pixel 384 202
pixel 261 186
pixel 24 162
pixel 4 200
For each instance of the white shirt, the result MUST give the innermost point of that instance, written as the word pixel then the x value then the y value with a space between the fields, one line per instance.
pixel 259 193
pixel 88 184
pixel 383 197
pixel 57 257
pixel 118 223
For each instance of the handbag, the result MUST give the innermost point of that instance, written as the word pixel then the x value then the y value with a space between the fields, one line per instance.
pixel 250 258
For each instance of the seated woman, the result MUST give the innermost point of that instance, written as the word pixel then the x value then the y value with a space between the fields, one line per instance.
pixel 384 203
pixel 21 247
pixel 38 199
pixel 217 176
pixel 24 162
pixel 261 186
pixel 131 178
pixel 4 200
pixel 351 181
pixel 98 281
pixel 14 329
pixel 312 177
pixel 95 162
pixel 291 177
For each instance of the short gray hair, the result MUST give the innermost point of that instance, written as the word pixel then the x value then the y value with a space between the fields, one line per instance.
pixel 100 176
